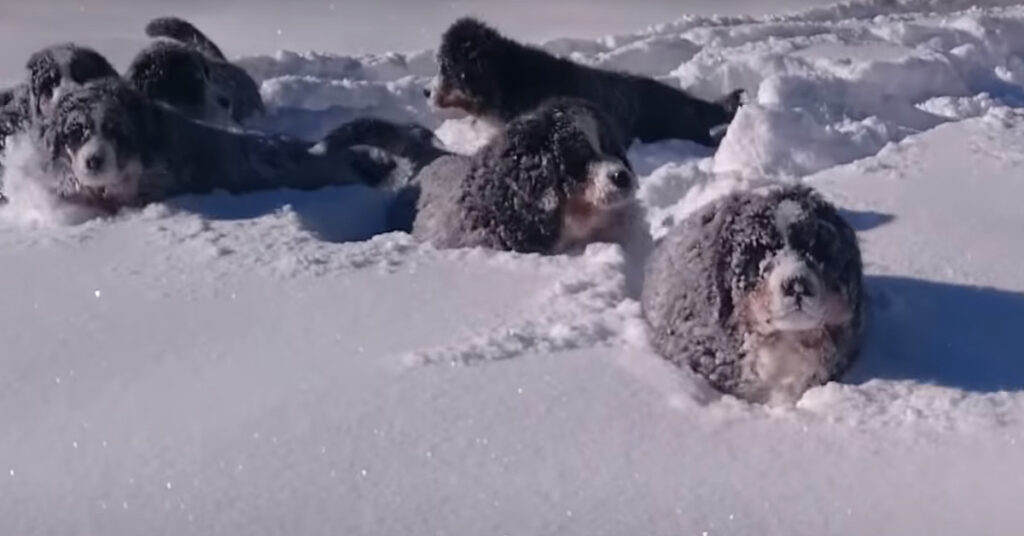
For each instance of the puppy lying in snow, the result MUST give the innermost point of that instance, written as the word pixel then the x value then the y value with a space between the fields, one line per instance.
pixel 760 294
pixel 108 146
pixel 487 75
pixel 553 180
pixel 184 69
pixel 51 72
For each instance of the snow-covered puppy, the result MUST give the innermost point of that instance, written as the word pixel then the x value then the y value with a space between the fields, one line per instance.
pixel 187 71
pixel 487 75
pixel 554 180
pixel 392 152
pixel 761 294
pixel 50 72
pixel 109 147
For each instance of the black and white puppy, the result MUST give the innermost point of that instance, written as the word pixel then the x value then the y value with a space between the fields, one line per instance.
pixel 392 152
pixel 108 147
pixel 186 70
pixel 552 181
pixel 490 76
pixel 761 294
pixel 50 72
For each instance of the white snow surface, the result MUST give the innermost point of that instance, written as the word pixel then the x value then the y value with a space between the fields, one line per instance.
pixel 264 364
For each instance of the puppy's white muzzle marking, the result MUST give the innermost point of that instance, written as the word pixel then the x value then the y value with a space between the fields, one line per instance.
pixel 436 97
pixel 95 166
pixel 795 311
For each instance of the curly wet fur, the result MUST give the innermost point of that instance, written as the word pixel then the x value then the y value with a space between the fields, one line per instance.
pixel 185 69
pixel 491 76
pixel 49 71
pixel 173 154
pixel 703 271
pixel 514 193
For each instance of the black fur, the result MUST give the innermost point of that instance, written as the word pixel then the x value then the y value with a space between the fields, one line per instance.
pixel 512 194
pixel 393 152
pixel 65 63
pixel 187 71
pixel 178 76
pixel 183 31
pixel 177 155
pixel 61 65
pixel 491 76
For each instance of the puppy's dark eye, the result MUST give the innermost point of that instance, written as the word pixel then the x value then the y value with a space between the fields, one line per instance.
pixel 223 102
pixel 826 241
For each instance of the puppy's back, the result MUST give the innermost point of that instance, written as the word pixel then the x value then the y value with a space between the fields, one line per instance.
pixel 184 32
pixel 430 207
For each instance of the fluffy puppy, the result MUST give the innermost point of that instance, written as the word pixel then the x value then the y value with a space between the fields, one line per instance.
pixel 761 294
pixel 185 70
pixel 50 72
pixel 108 147
pixel 554 180
pixel 487 75
pixel 180 77
pixel 392 152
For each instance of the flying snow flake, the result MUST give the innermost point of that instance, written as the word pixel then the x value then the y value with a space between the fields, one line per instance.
pixel 97 293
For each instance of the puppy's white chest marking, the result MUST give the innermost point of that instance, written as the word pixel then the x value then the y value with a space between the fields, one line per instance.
pixel 785 364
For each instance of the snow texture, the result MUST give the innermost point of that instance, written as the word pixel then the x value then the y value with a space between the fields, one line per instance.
pixel 272 364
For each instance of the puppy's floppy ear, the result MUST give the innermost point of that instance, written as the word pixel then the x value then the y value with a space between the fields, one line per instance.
pixel 50 133
pixel 43 76
pixel 87 64
pixel 145 122
pixel 519 193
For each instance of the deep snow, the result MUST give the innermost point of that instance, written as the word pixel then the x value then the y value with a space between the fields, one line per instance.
pixel 260 365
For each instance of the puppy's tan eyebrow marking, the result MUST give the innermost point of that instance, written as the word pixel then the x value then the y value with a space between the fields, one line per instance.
pixel 588 125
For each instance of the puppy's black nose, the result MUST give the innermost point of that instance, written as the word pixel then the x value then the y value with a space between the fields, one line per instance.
pixel 797 287
pixel 622 179
pixel 426 92
pixel 94 162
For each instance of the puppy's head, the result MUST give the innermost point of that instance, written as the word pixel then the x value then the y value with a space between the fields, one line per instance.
pixel 180 77
pixel 469 61
pixel 568 155
pixel 798 264
pixel 55 69
pixel 98 140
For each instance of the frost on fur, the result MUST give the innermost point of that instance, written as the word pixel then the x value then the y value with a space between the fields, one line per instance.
pixel 759 293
